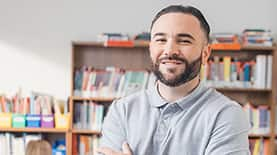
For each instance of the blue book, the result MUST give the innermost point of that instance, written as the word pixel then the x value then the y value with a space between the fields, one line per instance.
pixel 246 72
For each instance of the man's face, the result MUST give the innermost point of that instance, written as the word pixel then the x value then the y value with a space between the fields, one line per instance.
pixel 177 48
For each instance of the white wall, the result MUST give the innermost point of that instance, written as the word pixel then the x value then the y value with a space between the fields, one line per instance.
pixel 36 35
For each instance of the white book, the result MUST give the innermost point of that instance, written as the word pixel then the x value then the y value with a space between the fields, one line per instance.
pixel 2 144
pixel 121 86
pixel 100 116
pixel 260 71
pixel 269 72
pixel 92 115
pixel 81 148
pixel 83 114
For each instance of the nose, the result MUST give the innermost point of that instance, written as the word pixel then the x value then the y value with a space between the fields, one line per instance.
pixel 171 48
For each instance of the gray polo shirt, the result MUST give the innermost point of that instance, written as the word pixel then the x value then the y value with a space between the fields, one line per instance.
pixel 204 122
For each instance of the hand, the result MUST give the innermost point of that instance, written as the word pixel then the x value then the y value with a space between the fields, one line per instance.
pixel 107 151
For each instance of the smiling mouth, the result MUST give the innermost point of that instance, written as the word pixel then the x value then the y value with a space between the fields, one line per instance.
pixel 176 62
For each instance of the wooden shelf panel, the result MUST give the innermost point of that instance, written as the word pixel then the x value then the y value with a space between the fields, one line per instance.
pixel 244 89
pixel 146 45
pixel 86 131
pixel 137 44
pixel 97 99
pixel 249 49
pixel 270 48
pixel 34 130
pixel 259 136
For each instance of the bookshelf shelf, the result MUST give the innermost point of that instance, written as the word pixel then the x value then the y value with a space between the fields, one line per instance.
pixel 257 48
pixel 259 136
pixel 96 99
pixel 34 130
pixel 85 131
pixel 101 44
pixel 248 49
pixel 244 89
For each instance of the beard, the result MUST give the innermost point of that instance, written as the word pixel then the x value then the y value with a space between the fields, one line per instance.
pixel 190 71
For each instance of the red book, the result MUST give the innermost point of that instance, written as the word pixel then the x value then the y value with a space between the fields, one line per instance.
pixel 74 145
pixel 119 43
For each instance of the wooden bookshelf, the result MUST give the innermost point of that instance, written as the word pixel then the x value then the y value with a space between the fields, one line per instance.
pixel 96 99
pixel 85 131
pixel 137 57
pixel 34 130
pixel 244 89
pixel 258 48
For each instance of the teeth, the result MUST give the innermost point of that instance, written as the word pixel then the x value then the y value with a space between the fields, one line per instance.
pixel 177 63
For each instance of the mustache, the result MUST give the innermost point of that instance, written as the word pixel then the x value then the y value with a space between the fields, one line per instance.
pixel 173 57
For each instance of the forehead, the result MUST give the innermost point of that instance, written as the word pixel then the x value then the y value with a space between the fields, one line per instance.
pixel 174 23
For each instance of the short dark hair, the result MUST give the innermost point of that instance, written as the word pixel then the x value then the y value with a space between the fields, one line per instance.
pixel 186 10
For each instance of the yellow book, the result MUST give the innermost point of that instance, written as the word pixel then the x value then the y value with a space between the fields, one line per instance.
pixel 227 68
pixel 257 147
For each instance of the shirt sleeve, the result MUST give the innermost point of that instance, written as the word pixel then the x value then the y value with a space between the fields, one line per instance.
pixel 113 131
pixel 230 133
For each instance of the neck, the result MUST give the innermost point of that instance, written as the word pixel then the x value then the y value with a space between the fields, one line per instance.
pixel 171 94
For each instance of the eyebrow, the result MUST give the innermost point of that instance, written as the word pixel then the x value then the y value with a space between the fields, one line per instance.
pixel 186 35
pixel 178 35
pixel 158 34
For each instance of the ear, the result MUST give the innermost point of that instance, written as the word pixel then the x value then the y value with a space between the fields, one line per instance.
pixel 206 53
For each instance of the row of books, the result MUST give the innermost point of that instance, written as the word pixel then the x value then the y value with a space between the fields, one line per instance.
pixel 123 40
pixel 249 37
pixel 115 39
pixel 88 115
pixel 259 118
pixel 33 104
pixel 230 72
pixel 143 36
pixel 13 144
pixel 85 145
pixel 259 146
pixel 111 82
pixel 257 37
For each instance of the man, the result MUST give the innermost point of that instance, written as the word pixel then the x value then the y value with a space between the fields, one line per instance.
pixel 179 116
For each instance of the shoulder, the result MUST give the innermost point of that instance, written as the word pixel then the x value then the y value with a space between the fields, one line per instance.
pixel 225 111
pixel 216 101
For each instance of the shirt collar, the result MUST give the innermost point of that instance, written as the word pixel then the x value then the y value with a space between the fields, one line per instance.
pixel 184 102
pixel 157 100
pixel 192 97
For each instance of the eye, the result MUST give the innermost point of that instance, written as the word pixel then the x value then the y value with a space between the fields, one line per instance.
pixel 184 41
pixel 160 40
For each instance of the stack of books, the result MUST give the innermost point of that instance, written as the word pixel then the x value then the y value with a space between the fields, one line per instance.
pixel 257 37
pixel 225 41
pixel 115 40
